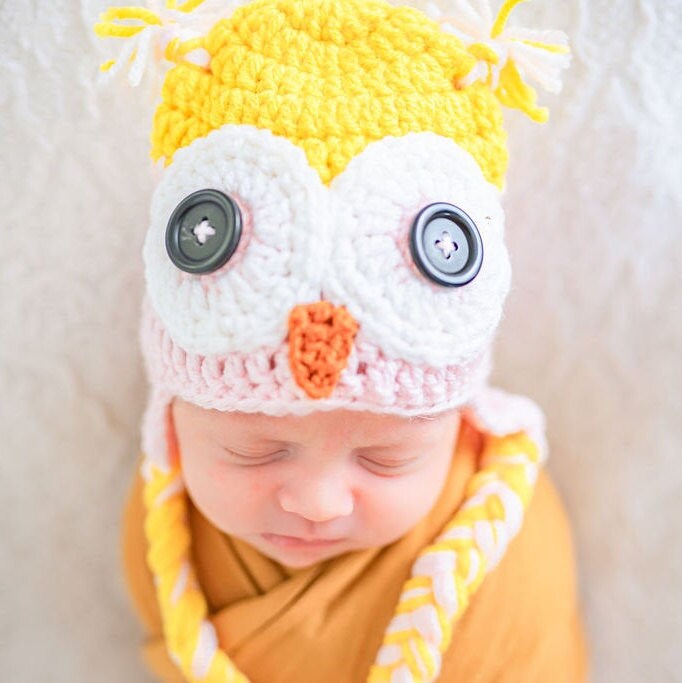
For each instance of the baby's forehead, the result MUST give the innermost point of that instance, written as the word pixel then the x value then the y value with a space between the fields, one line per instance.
pixel 358 426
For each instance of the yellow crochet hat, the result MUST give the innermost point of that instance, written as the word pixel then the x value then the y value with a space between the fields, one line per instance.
pixel 327 232
pixel 332 77
pixel 317 237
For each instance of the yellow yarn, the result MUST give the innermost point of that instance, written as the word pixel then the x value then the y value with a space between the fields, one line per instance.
pixel 108 28
pixel 509 467
pixel 332 77
pixel 512 91
pixel 502 16
pixel 168 558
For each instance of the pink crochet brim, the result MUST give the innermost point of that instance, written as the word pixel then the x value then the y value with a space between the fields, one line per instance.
pixel 262 382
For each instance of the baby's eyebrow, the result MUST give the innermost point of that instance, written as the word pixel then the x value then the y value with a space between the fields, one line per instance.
pixel 255 437
pixel 263 441
pixel 381 447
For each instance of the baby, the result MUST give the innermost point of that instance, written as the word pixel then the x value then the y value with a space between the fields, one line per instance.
pixel 329 489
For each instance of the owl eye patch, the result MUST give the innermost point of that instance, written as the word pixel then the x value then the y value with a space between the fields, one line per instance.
pixel 446 245
pixel 203 232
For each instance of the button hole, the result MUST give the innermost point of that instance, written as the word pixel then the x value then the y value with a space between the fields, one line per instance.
pixel 202 231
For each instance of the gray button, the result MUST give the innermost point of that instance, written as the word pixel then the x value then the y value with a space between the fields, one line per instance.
pixel 204 231
pixel 446 245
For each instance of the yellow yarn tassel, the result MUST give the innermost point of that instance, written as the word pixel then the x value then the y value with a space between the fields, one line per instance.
pixel 108 28
pixel 148 34
pixel 515 94
pixel 512 91
pixel 506 80
pixel 502 16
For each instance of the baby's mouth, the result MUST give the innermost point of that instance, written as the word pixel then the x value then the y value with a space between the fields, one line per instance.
pixel 297 542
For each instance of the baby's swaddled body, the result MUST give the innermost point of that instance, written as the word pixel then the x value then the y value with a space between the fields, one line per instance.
pixel 326 621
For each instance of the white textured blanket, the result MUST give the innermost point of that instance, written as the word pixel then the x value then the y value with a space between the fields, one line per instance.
pixel 593 329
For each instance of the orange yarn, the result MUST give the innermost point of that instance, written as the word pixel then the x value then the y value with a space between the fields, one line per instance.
pixel 320 340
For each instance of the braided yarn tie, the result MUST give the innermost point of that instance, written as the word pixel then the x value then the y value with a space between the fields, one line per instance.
pixel 190 638
pixel 443 579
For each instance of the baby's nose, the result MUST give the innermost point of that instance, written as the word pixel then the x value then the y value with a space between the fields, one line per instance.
pixel 318 499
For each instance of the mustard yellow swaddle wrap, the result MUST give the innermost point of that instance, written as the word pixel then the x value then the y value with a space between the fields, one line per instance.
pixel 327 622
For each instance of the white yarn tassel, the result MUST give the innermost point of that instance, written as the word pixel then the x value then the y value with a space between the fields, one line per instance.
pixel 149 31
pixel 539 55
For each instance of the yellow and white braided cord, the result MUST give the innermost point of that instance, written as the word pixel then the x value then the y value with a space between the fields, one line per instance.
pixel 443 579
pixel 190 638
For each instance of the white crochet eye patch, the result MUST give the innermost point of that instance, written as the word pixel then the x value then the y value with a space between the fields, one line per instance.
pixel 281 254
pixel 406 315
pixel 347 243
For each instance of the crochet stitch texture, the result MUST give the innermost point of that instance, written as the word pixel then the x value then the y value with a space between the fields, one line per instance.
pixel 332 77
pixel 331 124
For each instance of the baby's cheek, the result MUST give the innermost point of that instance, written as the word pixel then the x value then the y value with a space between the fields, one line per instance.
pixel 239 485
pixel 256 487
pixel 392 509
pixel 253 506
pixel 223 496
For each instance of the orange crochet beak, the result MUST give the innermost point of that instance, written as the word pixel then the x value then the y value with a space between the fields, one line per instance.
pixel 321 338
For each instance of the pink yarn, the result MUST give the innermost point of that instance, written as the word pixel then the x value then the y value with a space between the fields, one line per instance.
pixel 262 381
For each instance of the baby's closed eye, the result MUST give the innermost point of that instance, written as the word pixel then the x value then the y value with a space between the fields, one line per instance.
pixel 389 464
pixel 250 459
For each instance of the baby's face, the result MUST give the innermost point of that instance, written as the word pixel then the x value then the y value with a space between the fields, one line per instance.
pixel 305 489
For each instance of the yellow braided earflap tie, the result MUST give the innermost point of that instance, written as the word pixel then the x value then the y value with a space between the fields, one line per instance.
pixel 443 578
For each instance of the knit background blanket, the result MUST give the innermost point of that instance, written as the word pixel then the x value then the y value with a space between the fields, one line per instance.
pixel 592 331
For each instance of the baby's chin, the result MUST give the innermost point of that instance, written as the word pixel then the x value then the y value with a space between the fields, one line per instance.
pixel 298 556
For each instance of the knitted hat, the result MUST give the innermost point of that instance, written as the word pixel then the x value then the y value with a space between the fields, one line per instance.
pixel 327 230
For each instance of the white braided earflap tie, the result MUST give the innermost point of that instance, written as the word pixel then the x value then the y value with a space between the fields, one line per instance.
pixel 443 579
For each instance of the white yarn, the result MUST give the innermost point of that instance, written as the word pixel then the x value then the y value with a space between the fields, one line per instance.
pixel 445 592
pixel 206 647
pixel 152 40
pixel 402 675
pixel 283 249
pixel 180 583
pixel 472 22
pixel 347 243
pixel 425 620
pixel 388 654
pixel 378 195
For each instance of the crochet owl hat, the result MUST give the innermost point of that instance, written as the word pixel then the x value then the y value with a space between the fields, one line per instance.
pixel 327 230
